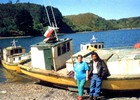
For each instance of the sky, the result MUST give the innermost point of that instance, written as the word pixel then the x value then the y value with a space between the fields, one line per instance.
pixel 108 9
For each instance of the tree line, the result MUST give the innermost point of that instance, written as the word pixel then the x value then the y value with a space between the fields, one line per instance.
pixel 92 22
pixel 23 19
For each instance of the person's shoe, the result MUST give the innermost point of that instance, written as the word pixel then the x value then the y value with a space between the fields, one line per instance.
pixel 80 98
pixel 90 97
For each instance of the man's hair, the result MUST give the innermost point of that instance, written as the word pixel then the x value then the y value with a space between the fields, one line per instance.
pixel 80 56
pixel 94 53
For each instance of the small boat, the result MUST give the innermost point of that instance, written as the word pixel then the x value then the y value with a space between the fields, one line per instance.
pixel 92 45
pixel 12 56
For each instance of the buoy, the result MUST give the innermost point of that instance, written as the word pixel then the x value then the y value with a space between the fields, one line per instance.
pixel 137 45
pixel 49 32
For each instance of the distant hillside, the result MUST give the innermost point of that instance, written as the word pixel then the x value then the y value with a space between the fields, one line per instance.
pixel 92 22
pixel 23 19
pixel 28 19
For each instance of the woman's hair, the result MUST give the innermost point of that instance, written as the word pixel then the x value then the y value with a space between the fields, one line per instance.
pixel 94 53
pixel 80 56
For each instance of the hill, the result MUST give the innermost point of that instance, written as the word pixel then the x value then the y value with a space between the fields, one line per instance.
pixel 23 19
pixel 27 19
pixel 92 22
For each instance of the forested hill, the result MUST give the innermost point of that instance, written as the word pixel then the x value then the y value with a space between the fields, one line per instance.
pixel 92 22
pixel 22 19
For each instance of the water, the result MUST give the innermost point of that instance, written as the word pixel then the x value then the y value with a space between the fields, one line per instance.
pixel 112 38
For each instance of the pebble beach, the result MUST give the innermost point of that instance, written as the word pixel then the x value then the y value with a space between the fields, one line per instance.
pixel 33 91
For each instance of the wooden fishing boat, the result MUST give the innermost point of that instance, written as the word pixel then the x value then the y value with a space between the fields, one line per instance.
pixel 123 65
pixel 48 60
pixel 12 56
pixel 60 77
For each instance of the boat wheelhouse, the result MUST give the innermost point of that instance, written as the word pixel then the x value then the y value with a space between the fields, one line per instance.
pixel 92 45
pixel 51 56
pixel 13 55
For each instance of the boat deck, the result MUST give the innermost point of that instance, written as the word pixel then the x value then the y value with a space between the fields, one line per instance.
pixel 27 66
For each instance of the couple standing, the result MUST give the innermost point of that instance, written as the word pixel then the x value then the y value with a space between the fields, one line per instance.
pixel 97 70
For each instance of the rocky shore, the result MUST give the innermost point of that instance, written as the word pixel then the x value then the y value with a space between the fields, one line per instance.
pixel 33 91
pixel 21 87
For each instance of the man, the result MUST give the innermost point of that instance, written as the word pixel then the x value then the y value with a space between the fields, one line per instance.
pixel 98 71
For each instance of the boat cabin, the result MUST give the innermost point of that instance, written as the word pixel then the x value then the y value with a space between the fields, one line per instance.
pixel 51 56
pixel 14 54
pixel 92 45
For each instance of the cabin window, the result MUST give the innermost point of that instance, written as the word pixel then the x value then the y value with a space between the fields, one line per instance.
pixel 87 47
pixel 19 50
pixel 19 58
pixel 99 46
pixel 14 59
pixel 12 52
pixel 68 46
pixel 102 46
pixel 95 46
pixel 16 50
pixel 58 50
pixel 64 48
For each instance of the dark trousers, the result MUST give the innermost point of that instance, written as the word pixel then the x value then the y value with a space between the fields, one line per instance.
pixel 95 85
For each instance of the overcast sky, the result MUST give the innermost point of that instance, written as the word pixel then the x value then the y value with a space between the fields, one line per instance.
pixel 108 9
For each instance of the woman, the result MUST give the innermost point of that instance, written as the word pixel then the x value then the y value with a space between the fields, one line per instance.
pixel 81 75
pixel 98 72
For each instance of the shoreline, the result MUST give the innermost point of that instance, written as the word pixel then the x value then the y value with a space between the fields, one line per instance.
pixel 15 37
pixel 61 34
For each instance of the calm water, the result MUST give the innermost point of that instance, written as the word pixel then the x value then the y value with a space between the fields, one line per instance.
pixel 117 38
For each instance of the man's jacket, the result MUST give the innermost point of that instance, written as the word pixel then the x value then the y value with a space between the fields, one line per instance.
pixel 102 69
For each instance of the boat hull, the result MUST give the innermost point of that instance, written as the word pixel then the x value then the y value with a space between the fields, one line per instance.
pixel 12 67
pixel 109 84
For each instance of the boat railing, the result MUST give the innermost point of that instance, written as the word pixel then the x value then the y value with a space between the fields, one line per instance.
pixel 113 48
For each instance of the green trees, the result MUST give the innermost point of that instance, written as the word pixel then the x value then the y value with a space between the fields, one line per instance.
pixel 24 21
pixel 31 19
pixel 92 22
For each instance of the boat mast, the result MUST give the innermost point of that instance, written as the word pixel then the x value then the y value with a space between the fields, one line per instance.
pixel 53 25
pixel 47 13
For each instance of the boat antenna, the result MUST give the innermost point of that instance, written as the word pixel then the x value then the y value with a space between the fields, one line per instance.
pixel 14 43
pixel 93 40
